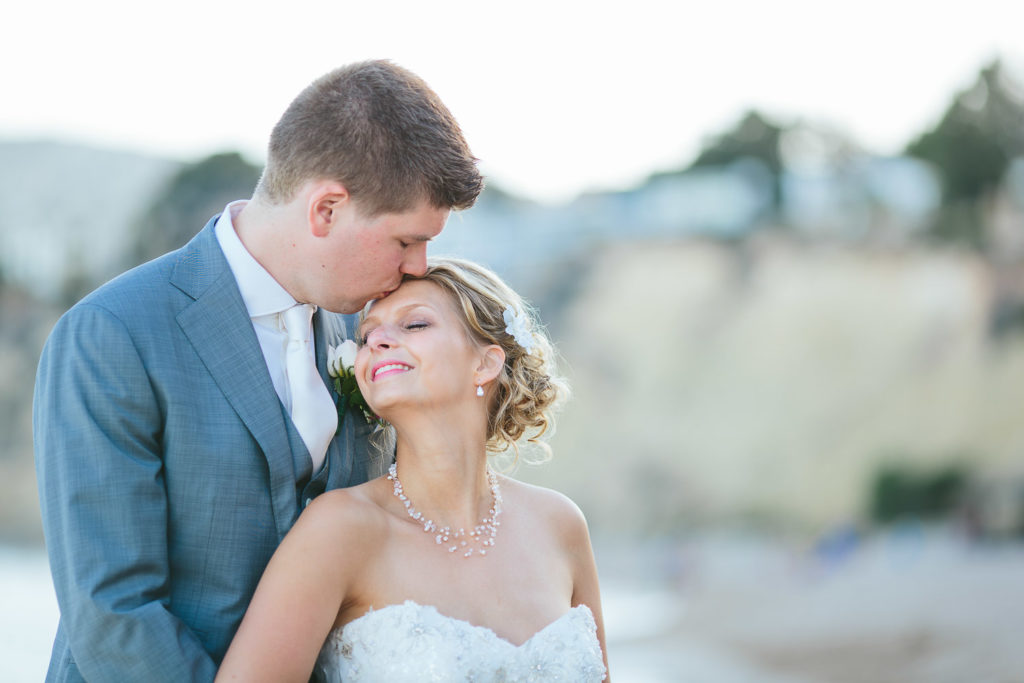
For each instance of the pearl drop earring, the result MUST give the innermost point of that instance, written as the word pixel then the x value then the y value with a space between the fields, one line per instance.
pixel 479 390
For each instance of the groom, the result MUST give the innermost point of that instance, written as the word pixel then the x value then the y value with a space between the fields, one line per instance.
pixel 177 437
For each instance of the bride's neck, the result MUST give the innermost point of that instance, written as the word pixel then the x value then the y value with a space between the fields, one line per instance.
pixel 443 470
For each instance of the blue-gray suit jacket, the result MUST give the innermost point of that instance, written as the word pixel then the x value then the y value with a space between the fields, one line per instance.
pixel 168 468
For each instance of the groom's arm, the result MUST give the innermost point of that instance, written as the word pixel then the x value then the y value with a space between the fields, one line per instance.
pixel 97 430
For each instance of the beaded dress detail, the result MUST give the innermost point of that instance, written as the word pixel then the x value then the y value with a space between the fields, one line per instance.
pixel 411 642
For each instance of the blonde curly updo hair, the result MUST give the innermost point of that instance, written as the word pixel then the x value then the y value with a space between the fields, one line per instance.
pixel 528 389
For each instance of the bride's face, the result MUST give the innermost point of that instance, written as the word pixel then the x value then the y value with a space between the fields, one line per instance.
pixel 415 351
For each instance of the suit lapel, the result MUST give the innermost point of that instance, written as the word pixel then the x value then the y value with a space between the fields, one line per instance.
pixel 221 333
pixel 329 329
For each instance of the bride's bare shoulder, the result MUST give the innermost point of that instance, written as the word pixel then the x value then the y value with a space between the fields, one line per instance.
pixel 347 515
pixel 556 519
pixel 552 506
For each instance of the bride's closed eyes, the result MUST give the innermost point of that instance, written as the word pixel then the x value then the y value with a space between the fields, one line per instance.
pixel 409 326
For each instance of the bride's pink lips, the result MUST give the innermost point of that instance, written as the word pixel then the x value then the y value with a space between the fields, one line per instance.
pixel 388 367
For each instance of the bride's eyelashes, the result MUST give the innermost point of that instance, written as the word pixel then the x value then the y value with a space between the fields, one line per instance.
pixel 364 335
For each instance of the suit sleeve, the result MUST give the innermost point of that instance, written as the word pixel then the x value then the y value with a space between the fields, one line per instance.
pixel 97 427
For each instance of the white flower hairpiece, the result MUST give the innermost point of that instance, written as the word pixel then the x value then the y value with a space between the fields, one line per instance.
pixel 518 325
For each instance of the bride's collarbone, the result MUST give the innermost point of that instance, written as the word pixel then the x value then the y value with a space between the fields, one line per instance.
pixel 523 583
pixel 515 556
pixel 513 591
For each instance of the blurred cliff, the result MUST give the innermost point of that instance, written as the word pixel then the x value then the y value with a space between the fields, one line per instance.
pixel 788 331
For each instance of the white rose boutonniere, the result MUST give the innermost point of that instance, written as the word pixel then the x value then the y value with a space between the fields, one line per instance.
pixel 341 360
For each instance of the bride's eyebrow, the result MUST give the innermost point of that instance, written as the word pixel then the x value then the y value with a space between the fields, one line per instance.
pixel 419 304
pixel 401 310
pixel 370 318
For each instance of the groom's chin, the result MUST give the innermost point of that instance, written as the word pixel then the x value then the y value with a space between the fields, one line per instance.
pixel 343 307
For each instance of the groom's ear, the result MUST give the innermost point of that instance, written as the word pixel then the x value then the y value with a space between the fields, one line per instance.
pixel 327 199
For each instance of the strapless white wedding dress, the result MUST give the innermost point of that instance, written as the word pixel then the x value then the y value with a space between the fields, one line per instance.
pixel 411 642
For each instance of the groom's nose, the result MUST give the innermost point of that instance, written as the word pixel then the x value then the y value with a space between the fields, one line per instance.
pixel 414 261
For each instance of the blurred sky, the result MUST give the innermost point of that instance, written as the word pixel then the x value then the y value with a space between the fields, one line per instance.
pixel 554 97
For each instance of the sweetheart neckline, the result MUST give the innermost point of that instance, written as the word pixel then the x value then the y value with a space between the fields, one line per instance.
pixel 339 632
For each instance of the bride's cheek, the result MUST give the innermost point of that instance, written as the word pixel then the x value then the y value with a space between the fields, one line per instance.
pixel 360 372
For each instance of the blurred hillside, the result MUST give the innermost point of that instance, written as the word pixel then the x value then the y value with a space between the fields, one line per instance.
pixel 770 382
pixel 67 212
pixel 753 337
pixel 26 323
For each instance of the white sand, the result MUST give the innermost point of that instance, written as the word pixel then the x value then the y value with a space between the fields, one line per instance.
pixel 912 608
pixel 908 609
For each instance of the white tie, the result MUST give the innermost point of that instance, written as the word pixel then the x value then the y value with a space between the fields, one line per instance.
pixel 313 412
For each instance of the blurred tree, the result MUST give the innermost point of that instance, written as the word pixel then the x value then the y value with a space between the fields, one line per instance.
pixel 972 146
pixel 191 197
pixel 753 137
pixel 805 146
pixel 76 282
pixel 902 493
pixel 892 495
pixel 941 492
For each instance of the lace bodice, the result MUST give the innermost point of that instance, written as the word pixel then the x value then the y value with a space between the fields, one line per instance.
pixel 411 642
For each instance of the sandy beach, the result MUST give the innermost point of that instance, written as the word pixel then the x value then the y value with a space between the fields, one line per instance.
pixel 916 606
pixel 908 607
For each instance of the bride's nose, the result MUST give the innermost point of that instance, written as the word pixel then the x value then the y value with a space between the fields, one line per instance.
pixel 380 338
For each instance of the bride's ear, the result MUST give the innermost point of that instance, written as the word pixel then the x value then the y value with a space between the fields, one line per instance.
pixel 491 362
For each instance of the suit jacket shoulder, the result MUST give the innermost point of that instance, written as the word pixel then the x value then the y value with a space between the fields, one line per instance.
pixel 190 271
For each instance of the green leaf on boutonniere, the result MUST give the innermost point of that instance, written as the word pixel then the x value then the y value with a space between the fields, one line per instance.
pixel 340 362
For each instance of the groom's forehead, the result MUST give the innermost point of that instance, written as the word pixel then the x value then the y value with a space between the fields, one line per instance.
pixel 422 223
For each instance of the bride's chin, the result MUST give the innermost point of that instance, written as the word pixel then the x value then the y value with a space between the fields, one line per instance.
pixel 387 410
pixel 399 412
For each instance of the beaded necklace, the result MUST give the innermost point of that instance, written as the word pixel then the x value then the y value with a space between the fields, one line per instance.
pixel 481 536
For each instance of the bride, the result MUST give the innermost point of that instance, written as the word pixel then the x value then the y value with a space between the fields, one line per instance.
pixel 442 570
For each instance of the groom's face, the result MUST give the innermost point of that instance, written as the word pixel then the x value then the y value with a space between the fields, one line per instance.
pixel 365 258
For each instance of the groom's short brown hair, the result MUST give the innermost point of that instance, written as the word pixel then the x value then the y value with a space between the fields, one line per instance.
pixel 380 131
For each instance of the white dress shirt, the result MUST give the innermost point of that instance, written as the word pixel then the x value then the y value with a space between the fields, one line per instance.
pixel 264 299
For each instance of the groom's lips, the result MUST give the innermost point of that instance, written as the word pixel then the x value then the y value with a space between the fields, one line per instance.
pixel 381 295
